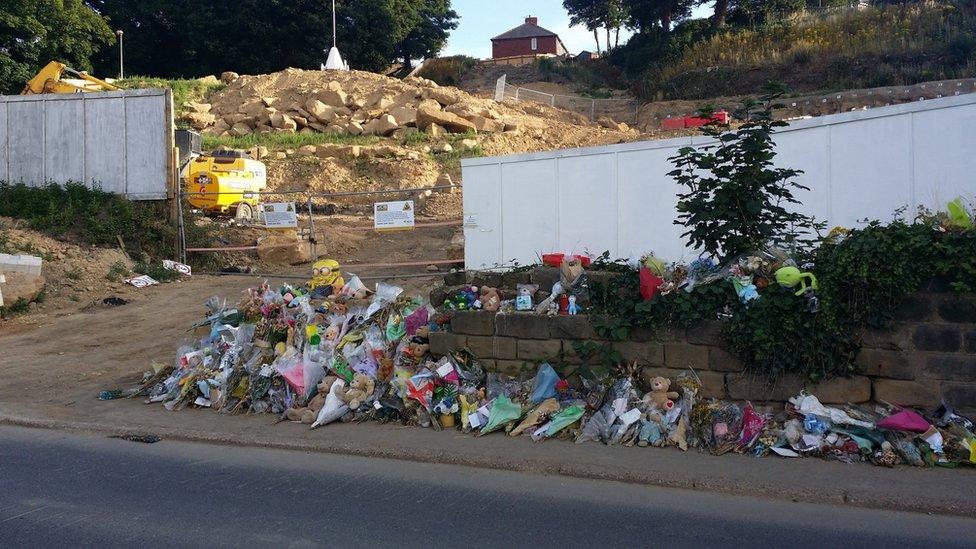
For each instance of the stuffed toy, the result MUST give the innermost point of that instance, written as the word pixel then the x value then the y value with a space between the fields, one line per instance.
pixel 385 369
pixel 359 390
pixel 326 278
pixel 309 412
pixel 659 398
pixel 523 302
pixel 417 347
pixel 791 277
pixel 490 299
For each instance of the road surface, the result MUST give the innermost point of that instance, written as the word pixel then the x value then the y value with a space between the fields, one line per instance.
pixel 59 489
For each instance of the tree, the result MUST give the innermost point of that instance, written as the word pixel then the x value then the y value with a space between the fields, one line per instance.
pixel 644 14
pixel 427 37
pixel 737 202
pixel 35 32
pixel 597 14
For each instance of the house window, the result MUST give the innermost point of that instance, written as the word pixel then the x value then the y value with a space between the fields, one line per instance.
pixel 535 44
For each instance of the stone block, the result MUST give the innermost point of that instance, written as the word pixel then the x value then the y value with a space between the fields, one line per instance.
pixel 492 347
pixel 573 327
pixel 438 295
pixel 713 383
pixel 513 368
pixel 970 338
pixel 644 333
pixel 545 277
pixel 907 393
pixel 457 278
pixel 720 360
pixel 511 279
pixel 939 285
pixel 952 367
pixel 523 326
pixel 961 396
pixel 958 308
pixel 841 390
pixel 644 353
pixel 539 349
pixel 473 323
pixel 442 343
pixel 707 333
pixel 894 337
pixel 748 386
pixel 937 337
pixel 683 355
pixel 914 308
pixel 885 363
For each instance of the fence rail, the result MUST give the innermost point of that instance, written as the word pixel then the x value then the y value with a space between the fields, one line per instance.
pixel 620 110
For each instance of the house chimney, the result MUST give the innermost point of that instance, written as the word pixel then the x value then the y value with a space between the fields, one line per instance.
pixel 532 20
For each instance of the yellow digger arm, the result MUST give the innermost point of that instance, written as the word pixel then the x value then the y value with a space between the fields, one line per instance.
pixel 50 80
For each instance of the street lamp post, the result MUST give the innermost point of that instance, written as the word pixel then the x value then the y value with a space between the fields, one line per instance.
pixel 121 71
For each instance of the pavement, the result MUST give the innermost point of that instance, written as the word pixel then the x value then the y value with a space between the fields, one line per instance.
pixel 67 489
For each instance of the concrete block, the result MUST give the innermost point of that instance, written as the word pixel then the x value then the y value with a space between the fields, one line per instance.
pixel 713 383
pixel 513 368
pixel 914 308
pixel 937 337
pixel 749 386
pixel 545 277
pixel 894 337
pixel 492 347
pixel 643 333
pixel 841 390
pixel 523 326
pixel 707 333
pixel 970 338
pixel 961 396
pixel 683 355
pixel 473 322
pixel 958 308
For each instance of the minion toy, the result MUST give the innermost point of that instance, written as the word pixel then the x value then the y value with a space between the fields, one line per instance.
pixel 326 278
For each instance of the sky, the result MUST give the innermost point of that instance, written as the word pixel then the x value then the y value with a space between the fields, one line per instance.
pixel 481 20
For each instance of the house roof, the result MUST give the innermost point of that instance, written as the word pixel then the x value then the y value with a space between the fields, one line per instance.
pixel 527 30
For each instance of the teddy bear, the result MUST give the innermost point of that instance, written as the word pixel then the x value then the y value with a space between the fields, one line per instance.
pixel 359 389
pixel 491 301
pixel 309 412
pixel 659 398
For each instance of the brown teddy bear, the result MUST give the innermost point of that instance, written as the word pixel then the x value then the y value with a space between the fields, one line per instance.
pixel 308 413
pixel 659 398
pixel 491 301
pixel 359 389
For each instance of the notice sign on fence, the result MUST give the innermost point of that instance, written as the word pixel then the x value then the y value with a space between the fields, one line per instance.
pixel 280 215
pixel 389 216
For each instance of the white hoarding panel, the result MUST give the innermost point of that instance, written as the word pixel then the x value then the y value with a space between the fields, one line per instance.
pixel 858 165
pixel 105 144
pixel 25 158
pixel 64 129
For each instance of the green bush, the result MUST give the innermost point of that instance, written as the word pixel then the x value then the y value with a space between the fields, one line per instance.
pixel 447 71
pixel 92 216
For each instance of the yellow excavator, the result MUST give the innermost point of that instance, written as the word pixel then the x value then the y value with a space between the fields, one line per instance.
pixel 51 79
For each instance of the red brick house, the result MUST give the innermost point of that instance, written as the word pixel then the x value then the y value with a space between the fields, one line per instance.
pixel 527 39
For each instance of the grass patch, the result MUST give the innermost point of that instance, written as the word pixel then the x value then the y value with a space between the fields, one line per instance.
pixel 156 271
pixel 447 71
pixel 184 89
pixel 452 160
pixel 96 217
pixel 285 140
pixel 117 272
pixel 19 307
pixel 74 274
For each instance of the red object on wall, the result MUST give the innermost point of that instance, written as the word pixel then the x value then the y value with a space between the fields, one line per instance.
pixel 720 117
pixel 649 283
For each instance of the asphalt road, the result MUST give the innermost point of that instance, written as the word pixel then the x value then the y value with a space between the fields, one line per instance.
pixel 58 489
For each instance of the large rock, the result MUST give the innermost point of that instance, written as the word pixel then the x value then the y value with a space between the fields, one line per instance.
pixel 335 150
pixel 192 106
pixel 199 120
pixel 484 124
pixel 228 77
pixel 404 116
pixel 306 150
pixel 234 118
pixel 449 121
pixel 240 129
pixel 283 122
pixel 385 125
pixel 253 108
pixel 436 131
pixel 19 286
pixel 429 104
pixel 283 248
pixel 332 96
pixel 444 96
pixel 322 112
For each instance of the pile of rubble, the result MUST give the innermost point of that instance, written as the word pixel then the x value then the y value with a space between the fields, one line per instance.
pixel 353 103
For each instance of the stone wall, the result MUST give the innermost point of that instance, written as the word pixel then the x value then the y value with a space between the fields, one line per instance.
pixel 928 353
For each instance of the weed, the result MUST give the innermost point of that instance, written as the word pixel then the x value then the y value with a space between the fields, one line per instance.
pixel 18 307
pixel 117 271
pixel 284 140
pixel 156 271
pixel 447 71
pixel 184 89
pixel 74 274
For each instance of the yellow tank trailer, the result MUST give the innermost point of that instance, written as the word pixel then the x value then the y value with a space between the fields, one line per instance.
pixel 234 174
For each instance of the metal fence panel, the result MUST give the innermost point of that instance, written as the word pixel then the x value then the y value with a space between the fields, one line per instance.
pixel 119 141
